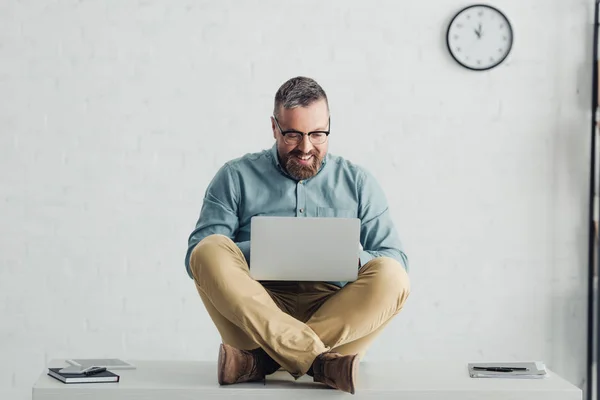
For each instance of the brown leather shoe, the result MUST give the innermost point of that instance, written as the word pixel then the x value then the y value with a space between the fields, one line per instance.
pixel 237 366
pixel 336 371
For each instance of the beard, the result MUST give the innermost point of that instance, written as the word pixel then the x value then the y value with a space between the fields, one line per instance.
pixel 299 171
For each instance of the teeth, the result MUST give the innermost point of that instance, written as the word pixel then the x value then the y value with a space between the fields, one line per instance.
pixel 305 157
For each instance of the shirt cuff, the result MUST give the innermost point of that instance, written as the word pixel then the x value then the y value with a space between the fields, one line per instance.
pixel 365 257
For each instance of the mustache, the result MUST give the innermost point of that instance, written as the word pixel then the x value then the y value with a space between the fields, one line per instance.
pixel 299 153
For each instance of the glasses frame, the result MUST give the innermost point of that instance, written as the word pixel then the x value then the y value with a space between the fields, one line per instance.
pixel 284 133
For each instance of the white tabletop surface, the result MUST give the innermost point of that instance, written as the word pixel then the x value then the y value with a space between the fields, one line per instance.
pixel 408 381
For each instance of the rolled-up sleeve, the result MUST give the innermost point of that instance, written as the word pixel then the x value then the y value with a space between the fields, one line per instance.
pixel 219 213
pixel 378 235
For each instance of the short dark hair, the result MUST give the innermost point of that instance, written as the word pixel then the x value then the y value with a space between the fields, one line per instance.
pixel 298 92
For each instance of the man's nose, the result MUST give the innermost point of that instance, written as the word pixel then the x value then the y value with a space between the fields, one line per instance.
pixel 305 146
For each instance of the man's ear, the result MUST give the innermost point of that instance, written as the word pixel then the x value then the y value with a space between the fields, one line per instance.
pixel 274 128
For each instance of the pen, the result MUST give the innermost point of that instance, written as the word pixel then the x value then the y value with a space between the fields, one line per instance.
pixel 501 369
pixel 95 371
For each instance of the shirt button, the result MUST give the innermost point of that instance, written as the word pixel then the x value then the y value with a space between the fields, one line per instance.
pixel 301 210
pixel 301 182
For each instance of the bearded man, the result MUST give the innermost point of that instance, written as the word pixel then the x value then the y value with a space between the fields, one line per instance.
pixel 318 328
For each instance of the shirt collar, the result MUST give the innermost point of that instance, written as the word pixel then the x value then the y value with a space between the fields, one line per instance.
pixel 275 157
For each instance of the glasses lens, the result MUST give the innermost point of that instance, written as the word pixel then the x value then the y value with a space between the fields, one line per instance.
pixel 292 138
pixel 318 138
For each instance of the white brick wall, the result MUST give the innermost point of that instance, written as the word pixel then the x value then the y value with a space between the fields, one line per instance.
pixel 115 116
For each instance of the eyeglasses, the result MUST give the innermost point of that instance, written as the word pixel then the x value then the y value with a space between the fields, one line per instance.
pixel 294 137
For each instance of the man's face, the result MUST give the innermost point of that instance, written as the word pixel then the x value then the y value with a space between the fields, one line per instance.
pixel 302 160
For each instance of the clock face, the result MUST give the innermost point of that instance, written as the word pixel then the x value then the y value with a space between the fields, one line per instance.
pixel 479 37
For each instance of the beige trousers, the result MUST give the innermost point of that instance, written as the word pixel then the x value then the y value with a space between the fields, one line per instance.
pixel 294 322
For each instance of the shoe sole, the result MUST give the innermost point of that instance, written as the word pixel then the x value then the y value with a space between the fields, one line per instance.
pixel 221 363
pixel 355 363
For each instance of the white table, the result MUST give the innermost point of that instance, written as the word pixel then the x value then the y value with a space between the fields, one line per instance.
pixel 175 380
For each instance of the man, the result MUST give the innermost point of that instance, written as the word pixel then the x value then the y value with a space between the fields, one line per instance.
pixel 318 328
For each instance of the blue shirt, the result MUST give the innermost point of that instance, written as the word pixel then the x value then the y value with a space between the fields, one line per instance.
pixel 256 184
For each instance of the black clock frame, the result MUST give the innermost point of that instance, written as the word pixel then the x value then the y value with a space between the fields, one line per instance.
pixel 488 7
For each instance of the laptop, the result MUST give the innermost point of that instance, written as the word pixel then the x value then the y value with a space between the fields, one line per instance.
pixel 304 249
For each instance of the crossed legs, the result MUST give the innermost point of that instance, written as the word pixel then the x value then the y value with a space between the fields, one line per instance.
pixel 249 315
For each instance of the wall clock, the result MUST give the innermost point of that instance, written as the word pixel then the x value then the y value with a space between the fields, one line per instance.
pixel 479 37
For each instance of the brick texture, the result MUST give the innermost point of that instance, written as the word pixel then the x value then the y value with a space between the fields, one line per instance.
pixel 116 115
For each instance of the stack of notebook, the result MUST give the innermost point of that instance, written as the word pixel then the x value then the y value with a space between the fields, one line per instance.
pixel 93 376
pixel 523 370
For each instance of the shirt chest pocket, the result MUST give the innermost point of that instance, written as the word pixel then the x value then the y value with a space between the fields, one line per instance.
pixel 328 212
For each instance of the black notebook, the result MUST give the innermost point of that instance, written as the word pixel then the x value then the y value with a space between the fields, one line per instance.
pixel 105 376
